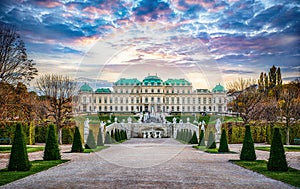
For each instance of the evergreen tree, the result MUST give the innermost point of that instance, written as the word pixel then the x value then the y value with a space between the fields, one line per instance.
pixel 201 139
pixel 278 77
pixel 211 143
pixel 272 77
pixel 77 143
pixel 18 160
pixel 112 134
pixel 107 138
pixel 51 149
pixel 177 135
pixel 277 159
pixel 261 84
pixel 194 139
pixel 100 138
pixel 188 140
pixel 223 142
pixel 117 136
pixel 266 81
pixel 248 151
pixel 126 135
pixel 90 143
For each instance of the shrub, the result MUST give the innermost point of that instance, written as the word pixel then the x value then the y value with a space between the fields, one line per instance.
pixel 51 149
pixel 194 139
pixel 107 138
pixel 277 160
pixel 223 142
pixel 201 139
pixel 18 160
pixel 248 151
pixel 211 143
pixel 125 133
pixel 77 143
pixel 100 138
pixel 90 143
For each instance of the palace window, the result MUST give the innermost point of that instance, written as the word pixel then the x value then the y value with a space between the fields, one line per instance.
pixel 121 100
pixel 116 99
pixel 204 100
pixel 209 100
pixel 199 100
pixel 110 100
pixel 188 100
pixel 116 108
pixel 152 90
pixel 178 100
pixel 172 100
pixel 182 100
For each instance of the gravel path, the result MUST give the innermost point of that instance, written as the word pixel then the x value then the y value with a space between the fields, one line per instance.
pixel 148 163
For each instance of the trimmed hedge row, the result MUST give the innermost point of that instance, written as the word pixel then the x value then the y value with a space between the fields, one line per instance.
pixel 34 134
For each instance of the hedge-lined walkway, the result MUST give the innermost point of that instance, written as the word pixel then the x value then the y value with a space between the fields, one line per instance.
pixel 149 163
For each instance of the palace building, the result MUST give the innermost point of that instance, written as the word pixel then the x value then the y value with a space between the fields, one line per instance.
pixel 151 95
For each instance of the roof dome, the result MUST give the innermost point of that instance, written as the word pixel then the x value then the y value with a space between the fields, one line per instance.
pixel 218 88
pixel 124 81
pixel 86 88
pixel 152 80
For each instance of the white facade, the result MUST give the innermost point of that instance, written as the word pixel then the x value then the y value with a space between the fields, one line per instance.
pixel 151 95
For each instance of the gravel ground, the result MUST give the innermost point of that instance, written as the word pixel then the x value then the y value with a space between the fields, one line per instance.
pixel 149 163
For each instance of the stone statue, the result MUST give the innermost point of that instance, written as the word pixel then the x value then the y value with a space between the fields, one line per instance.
pixel 116 119
pixel 218 125
pixel 86 129
pixel 203 125
pixel 129 120
pixel 188 120
pixel 174 120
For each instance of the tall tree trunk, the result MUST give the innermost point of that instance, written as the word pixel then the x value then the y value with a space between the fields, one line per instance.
pixel 287 134
pixel 60 135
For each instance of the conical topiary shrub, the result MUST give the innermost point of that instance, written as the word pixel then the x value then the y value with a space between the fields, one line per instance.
pixel 248 151
pixel 211 143
pixel 107 138
pixel 18 160
pixel 277 160
pixel 100 138
pixel 223 142
pixel 90 143
pixel 194 139
pixel 201 139
pixel 51 149
pixel 77 144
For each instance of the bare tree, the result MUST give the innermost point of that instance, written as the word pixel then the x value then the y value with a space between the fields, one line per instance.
pixel 246 99
pixel 59 90
pixel 14 64
pixel 289 105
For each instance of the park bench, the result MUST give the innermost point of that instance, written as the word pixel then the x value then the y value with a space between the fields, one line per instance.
pixel 5 140
pixel 296 140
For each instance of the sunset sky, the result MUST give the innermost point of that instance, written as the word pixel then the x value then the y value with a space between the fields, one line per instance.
pixel 204 41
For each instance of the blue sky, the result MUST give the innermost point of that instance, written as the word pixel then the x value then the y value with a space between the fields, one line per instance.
pixel 205 41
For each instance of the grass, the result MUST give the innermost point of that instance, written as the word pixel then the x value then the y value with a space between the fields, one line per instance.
pixel 212 151
pixel 286 148
pixel 99 148
pixel 260 166
pixel 7 149
pixel 37 166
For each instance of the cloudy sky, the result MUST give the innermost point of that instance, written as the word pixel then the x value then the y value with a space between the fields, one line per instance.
pixel 204 41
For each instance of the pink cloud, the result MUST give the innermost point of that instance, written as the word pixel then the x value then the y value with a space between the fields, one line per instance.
pixel 49 4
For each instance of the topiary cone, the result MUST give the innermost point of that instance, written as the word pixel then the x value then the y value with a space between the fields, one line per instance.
pixel 90 143
pixel 51 149
pixel 18 160
pixel 100 138
pixel 77 144
pixel 223 142
pixel 211 143
pixel 277 159
pixel 248 151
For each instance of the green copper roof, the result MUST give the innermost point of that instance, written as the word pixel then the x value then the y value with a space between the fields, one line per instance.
pixel 177 82
pixel 152 80
pixel 124 81
pixel 103 90
pixel 85 88
pixel 218 88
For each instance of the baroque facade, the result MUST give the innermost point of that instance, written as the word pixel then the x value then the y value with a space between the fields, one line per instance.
pixel 151 95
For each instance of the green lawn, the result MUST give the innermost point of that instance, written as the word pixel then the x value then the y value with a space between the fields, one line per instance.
pixel 260 166
pixel 99 148
pixel 7 149
pixel 286 148
pixel 37 166
pixel 212 151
